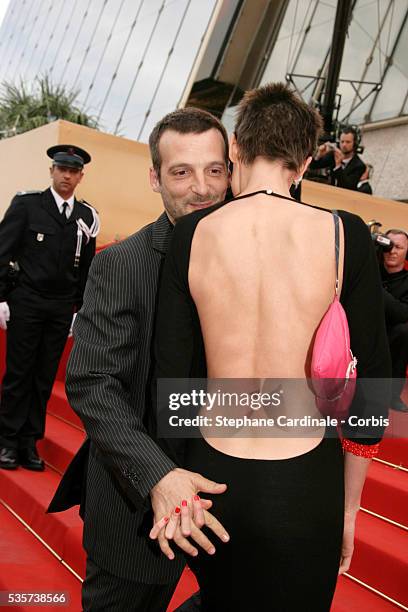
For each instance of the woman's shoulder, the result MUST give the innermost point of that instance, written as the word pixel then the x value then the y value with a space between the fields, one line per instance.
pixel 356 233
pixel 186 226
pixel 182 238
pixel 354 227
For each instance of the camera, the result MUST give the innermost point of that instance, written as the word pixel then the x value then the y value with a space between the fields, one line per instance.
pixel 383 243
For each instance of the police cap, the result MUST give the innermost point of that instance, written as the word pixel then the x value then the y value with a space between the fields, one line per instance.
pixel 68 155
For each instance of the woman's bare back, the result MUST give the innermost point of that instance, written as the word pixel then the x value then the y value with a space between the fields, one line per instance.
pixel 262 275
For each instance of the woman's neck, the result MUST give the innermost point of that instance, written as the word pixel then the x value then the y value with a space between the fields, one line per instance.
pixel 263 174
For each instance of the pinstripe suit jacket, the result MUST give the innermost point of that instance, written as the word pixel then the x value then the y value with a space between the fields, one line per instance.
pixel 107 379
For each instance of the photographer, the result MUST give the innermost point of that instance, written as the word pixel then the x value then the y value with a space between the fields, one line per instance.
pixel 395 284
pixel 345 166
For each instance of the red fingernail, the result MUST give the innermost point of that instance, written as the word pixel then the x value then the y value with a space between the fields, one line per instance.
pixel 177 510
pixel 166 519
pixel 184 503
pixel 196 498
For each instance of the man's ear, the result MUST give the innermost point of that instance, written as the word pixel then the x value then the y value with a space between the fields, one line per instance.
pixel 154 180
pixel 81 176
pixel 233 149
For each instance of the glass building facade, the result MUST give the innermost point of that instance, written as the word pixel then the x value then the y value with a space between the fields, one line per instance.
pixel 376 52
pixel 130 60
pixel 134 60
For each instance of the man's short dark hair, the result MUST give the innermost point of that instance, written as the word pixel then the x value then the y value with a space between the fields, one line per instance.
pixel 273 122
pixel 187 120
pixel 348 129
pixel 397 231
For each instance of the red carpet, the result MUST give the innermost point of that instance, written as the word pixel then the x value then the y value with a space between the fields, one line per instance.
pixel 26 565
pixel 60 443
pixel 381 553
pixel 58 406
pixel 395 450
pixel 28 494
pixel 386 492
pixel 381 556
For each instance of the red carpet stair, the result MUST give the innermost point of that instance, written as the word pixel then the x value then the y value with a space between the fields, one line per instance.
pixel 380 559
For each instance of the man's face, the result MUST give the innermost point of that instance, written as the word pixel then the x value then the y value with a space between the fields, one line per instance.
pixel 193 172
pixel 394 261
pixel 347 143
pixel 65 180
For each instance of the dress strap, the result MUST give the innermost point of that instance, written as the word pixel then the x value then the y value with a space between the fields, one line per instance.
pixel 336 246
pixel 265 192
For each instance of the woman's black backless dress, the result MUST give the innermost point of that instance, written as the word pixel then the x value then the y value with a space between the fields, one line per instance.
pixel 285 517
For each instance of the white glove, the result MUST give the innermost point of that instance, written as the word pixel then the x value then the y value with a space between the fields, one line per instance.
pixel 4 315
pixel 72 325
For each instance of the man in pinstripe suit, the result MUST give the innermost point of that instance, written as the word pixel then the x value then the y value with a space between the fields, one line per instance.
pixel 107 381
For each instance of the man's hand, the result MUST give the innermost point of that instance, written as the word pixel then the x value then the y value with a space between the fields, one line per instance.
pixel 322 150
pixel 179 488
pixel 72 325
pixel 338 157
pixel 4 315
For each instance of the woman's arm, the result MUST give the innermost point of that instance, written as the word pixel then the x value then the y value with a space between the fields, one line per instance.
pixel 355 472
pixel 363 302
pixel 362 299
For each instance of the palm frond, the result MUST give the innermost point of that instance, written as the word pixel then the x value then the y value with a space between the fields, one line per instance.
pixel 24 107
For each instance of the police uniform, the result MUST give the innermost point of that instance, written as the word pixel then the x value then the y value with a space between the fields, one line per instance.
pixel 53 254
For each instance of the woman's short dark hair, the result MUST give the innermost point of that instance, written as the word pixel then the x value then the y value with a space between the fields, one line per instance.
pixel 273 122
pixel 187 120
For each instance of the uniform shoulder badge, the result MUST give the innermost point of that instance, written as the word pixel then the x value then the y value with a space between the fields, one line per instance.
pixel 33 192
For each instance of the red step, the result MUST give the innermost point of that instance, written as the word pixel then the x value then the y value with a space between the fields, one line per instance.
pixel 395 450
pixel 60 444
pixel 58 405
pixel 353 597
pixel 386 492
pixel 27 566
pixel 29 494
pixel 394 446
pixel 381 556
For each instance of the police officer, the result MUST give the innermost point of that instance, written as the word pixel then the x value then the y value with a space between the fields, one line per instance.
pixel 50 237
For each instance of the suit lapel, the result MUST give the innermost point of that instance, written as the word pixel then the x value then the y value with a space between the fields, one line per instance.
pixel 161 233
pixel 49 204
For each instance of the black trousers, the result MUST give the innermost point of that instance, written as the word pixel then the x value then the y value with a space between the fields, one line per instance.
pixel 285 519
pixel 398 339
pixel 36 336
pixel 103 592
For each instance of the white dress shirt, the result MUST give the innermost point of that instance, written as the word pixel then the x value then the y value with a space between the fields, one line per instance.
pixel 343 164
pixel 60 201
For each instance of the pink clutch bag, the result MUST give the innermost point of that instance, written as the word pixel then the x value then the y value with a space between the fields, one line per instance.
pixel 333 367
